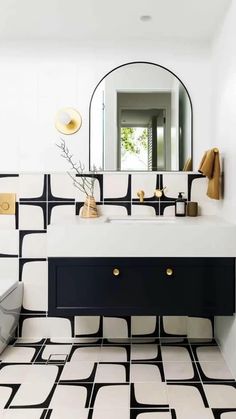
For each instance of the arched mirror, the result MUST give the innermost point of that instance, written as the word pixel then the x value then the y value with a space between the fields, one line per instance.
pixel 140 120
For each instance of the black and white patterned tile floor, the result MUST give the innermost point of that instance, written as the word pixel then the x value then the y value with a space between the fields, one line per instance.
pixel 102 379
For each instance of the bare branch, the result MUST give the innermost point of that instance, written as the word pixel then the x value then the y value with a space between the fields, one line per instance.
pixel 82 182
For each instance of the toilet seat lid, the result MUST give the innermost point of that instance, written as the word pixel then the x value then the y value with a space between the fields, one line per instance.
pixel 7 285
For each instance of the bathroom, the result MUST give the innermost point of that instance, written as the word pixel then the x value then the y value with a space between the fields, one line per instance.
pixel 136 355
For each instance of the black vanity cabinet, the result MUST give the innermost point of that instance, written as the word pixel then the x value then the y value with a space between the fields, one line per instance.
pixel 141 286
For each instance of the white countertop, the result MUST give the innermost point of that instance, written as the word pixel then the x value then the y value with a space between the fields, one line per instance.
pixel 160 220
pixel 203 236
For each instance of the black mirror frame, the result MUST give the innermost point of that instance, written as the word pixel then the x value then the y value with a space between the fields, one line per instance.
pixel 157 65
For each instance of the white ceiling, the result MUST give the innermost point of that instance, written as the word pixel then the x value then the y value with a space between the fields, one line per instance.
pixel 79 20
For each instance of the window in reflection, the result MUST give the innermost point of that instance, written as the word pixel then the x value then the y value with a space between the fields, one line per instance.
pixel 142 139
pixel 134 148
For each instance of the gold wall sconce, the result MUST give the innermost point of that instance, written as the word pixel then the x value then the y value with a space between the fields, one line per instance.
pixel 68 121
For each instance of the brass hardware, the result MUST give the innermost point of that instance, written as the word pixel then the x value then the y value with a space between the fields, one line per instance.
pixel 169 271
pixel 216 150
pixel 7 203
pixel 159 192
pixel 116 272
pixel 141 195
pixel 5 206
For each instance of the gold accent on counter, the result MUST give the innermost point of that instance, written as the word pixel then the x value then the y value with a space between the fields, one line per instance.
pixel 7 203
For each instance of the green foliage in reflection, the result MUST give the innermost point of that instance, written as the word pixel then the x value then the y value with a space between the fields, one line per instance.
pixel 131 142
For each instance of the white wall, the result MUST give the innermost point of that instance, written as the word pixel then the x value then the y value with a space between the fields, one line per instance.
pixel 224 135
pixel 36 80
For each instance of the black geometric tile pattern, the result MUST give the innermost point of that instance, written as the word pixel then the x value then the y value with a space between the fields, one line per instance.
pixel 53 198
pixel 191 178
pixel 43 195
pixel 150 201
pixel 52 205
pixel 95 334
pixel 30 219
pixel 23 261
pixel 23 234
pixel 9 175
pixel 99 178
pixel 42 375
pixel 126 197
pixel 17 216
pixel 4 255
pixel 93 387
pixel 47 202
pixel 218 413
pixel 164 333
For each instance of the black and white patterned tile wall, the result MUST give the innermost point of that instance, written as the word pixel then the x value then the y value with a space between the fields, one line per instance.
pixel 49 198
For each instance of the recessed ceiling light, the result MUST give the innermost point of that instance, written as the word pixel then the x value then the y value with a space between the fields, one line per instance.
pixel 145 18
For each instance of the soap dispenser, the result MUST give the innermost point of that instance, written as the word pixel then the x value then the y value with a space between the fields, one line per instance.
pixel 180 206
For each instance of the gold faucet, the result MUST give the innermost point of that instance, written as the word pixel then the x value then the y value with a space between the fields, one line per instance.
pixel 159 192
pixel 141 195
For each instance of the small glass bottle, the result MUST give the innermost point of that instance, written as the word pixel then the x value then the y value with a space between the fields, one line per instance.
pixel 180 206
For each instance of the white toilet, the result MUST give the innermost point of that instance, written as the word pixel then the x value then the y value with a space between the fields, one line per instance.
pixel 11 294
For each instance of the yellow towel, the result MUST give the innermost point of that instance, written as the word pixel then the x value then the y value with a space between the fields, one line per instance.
pixel 210 167
pixel 187 165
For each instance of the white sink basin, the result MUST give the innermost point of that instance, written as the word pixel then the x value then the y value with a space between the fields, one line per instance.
pixel 137 236
pixel 149 220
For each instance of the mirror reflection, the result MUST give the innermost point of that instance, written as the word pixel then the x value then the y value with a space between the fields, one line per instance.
pixel 141 119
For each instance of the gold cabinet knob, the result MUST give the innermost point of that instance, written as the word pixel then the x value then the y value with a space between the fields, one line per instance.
pixel 5 206
pixel 169 271
pixel 116 272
